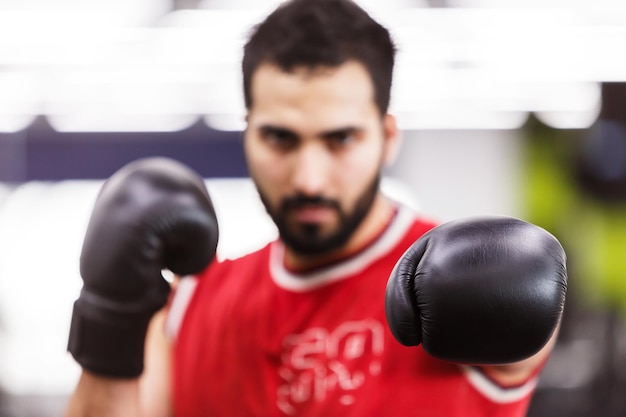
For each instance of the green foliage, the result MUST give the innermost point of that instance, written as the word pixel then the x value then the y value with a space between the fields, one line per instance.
pixel 592 232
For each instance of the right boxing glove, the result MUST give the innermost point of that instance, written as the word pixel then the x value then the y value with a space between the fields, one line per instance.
pixel 484 290
pixel 152 214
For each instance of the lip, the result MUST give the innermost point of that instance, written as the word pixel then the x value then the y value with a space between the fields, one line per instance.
pixel 312 214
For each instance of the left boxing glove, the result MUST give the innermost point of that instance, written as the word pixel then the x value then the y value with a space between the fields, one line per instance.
pixel 487 290
pixel 150 215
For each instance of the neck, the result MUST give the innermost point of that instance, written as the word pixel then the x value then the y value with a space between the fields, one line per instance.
pixel 373 224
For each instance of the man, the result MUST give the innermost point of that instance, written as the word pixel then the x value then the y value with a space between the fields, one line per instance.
pixel 306 325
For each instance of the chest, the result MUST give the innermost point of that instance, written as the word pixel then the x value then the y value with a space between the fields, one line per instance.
pixel 347 315
pixel 264 351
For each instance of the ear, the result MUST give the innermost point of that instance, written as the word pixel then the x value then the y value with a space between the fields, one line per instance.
pixel 246 121
pixel 392 139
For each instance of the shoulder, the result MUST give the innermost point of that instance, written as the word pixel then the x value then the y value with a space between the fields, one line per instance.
pixel 213 278
pixel 414 223
pixel 223 264
pixel 421 225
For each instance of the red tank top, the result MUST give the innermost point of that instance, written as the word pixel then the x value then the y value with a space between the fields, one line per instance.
pixel 255 339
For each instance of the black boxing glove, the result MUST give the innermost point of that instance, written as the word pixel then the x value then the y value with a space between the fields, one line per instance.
pixel 152 214
pixel 486 290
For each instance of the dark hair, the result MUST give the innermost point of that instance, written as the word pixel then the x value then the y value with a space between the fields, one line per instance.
pixel 321 33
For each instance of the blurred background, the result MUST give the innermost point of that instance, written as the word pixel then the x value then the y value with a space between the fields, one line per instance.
pixel 513 107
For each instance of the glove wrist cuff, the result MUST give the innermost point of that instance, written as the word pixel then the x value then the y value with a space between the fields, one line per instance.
pixel 106 342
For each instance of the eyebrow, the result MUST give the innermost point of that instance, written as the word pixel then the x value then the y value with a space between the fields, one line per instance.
pixel 347 130
pixel 277 129
pixel 344 131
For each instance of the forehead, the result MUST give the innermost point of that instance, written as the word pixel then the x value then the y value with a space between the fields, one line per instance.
pixel 320 98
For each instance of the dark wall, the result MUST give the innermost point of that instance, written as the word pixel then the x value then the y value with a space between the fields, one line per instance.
pixel 41 153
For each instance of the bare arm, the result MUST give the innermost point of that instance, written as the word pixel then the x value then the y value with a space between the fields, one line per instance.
pixel 147 396
pixel 519 372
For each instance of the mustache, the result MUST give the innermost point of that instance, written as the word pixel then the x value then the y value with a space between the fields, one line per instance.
pixel 300 201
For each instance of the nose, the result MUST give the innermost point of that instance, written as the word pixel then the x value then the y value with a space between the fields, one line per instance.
pixel 311 170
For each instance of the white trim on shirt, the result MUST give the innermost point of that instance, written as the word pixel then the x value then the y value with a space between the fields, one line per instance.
pixel 495 392
pixel 184 292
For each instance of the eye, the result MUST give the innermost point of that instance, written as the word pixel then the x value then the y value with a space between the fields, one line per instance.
pixel 340 139
pixel 280 139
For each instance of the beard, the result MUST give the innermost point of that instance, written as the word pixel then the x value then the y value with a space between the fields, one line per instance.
pixel 309 239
